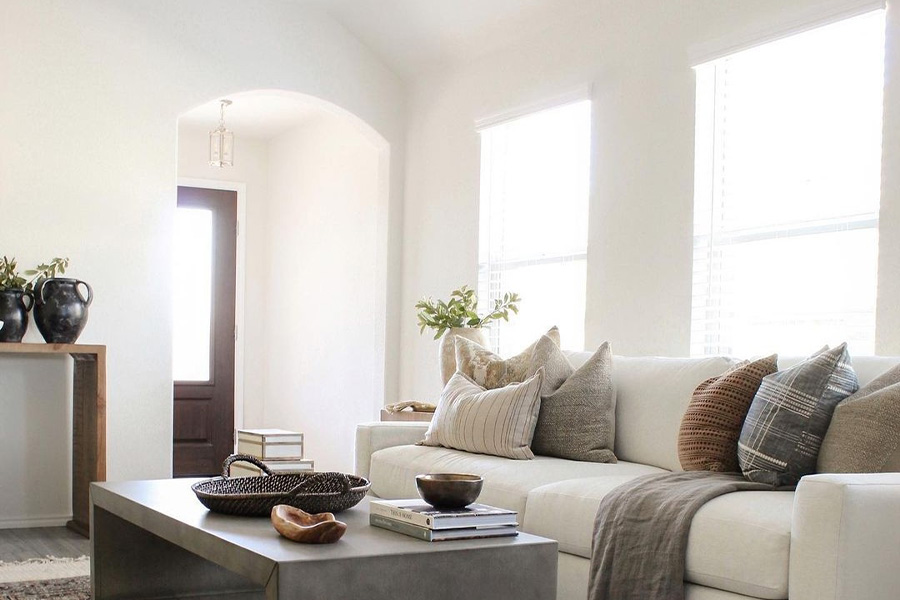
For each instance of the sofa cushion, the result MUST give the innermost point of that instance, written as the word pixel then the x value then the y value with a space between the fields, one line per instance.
pixel 651 397
pixel 864 435
pixel 789 417
pixel 577 418
pixel 738 542
pixel 506 482
pixel 490 370
pixel 499 422
pixel 712 423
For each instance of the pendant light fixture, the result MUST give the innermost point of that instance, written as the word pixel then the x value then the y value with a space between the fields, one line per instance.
pixel 221 141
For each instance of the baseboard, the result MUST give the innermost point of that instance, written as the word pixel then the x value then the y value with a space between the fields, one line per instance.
pixel 45 521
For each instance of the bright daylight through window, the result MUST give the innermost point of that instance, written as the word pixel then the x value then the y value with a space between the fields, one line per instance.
pixel 787 190
pixel 192 297
pixel 535 173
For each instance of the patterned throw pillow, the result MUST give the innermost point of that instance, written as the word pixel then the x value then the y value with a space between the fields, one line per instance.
pixel 789 417
pixel 578 407
pixel 489 370
pixel 708 438
pixel 499 422
pixel 864 435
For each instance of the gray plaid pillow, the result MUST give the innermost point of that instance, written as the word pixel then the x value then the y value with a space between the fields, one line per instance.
pixel 789 417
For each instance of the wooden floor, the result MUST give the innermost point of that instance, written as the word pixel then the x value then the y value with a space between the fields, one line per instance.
pixel 22 544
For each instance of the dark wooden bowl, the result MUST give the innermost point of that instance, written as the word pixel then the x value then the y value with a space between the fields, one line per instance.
pixel 449 490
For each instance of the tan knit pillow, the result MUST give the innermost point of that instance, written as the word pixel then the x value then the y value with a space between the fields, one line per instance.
pixel 489 370
pixel 499 422
pixel 707 440
pixel 864 434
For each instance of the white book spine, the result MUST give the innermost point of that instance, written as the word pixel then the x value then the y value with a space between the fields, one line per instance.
pixel 400 514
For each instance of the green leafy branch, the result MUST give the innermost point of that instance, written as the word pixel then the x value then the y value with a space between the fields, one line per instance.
pixel 11 279
pixel 459 311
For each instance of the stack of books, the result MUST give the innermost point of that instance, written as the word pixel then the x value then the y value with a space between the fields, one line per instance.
pixel 417 519
pixel 278 449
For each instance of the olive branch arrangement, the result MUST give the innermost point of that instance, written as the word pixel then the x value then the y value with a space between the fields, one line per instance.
pixel 12 279
pixel 459 311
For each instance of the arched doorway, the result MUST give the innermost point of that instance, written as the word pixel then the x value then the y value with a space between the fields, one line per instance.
pixel 310 185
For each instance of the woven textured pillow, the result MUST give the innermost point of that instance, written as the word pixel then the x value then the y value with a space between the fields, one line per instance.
pixel 711 426
pixel 864 435
pixel 577 417
pixel 491 371
pixel 789 417
pixel 499 422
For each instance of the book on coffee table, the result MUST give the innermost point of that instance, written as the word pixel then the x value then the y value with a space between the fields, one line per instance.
pixel 440 535
pixel 417 512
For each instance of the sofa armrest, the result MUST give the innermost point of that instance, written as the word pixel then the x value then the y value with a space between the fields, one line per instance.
pixel 372 437
pixel 845 533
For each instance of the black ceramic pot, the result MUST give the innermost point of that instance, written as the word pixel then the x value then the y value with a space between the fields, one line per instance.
pixel 14 314
pixel 60 311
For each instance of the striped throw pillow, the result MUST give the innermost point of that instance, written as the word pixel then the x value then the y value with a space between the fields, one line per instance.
pixel 499 422
pixel 789 417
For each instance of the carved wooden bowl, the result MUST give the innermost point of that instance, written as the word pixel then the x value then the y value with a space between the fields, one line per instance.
pixel 300 526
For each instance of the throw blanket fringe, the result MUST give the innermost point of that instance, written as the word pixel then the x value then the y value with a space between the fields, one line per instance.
pixel 641 532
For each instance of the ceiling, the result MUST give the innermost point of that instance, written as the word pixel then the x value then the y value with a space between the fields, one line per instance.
pixel 410 36
pixel 260 115
pixel 413 36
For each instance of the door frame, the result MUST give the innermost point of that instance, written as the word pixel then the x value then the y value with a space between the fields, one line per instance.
pixel 241 190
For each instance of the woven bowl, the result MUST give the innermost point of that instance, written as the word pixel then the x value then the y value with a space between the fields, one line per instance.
pixel 256 496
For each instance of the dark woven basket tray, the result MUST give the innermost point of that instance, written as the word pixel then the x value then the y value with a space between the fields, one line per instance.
pixel 255 496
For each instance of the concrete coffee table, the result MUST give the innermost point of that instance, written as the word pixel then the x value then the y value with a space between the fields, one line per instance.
pixel 153 539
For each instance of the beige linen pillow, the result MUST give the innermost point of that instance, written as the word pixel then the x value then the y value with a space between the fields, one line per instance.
pixel 577 416
pixel 864 435
pixel 489 370
pixel 711 426
pixel 499 422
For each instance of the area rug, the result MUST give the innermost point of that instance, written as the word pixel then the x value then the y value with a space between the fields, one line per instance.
pixel 44 578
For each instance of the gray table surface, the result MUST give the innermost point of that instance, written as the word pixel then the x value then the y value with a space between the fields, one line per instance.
pixel 251 547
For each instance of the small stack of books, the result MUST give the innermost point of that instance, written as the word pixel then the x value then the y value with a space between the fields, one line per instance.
pixel 278 449
pixel 417 519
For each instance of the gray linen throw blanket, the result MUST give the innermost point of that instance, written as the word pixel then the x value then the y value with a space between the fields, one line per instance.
pixel 641 532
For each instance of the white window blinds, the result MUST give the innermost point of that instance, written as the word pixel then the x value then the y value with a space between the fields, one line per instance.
pixel 533 223
pixel 787 190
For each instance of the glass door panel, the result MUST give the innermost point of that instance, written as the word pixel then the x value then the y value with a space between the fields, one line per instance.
pixel 192 294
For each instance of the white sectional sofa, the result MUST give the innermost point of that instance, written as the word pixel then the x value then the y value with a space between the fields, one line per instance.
pixel 836 537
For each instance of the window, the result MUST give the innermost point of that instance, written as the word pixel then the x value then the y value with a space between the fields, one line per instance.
pixel 787 190
pixel 535 173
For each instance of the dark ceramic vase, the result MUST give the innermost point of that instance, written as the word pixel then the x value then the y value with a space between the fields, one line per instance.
pixel 14 314
pixel 60 311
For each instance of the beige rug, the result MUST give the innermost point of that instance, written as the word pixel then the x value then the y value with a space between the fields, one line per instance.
pixel 46 578
pixel 39 569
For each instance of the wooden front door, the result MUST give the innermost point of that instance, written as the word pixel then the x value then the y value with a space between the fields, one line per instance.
pixel 205 257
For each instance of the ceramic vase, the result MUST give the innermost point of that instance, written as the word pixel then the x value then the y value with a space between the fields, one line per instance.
pixel 14 307
pixel 60 309
pixel 448 348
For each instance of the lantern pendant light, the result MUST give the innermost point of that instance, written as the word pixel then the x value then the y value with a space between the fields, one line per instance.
pixel 221 141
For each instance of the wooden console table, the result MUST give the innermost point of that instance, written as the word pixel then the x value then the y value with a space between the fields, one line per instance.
pixel 88 420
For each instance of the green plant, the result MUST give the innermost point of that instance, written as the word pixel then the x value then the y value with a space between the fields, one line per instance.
pixel 459 311
pixel 11 279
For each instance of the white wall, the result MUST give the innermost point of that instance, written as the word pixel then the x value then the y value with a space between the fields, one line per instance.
pixel 636 55
pixel 321 342
pixel 91 92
